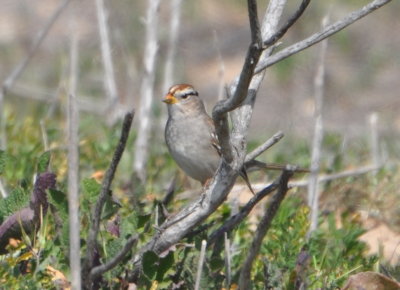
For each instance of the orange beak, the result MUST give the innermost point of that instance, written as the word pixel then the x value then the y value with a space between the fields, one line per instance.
pixel 170 99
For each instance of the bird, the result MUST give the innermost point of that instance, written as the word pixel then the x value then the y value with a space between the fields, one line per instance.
pixel 190 134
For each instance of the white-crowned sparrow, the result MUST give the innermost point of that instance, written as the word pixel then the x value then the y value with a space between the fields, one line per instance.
pixel 190 134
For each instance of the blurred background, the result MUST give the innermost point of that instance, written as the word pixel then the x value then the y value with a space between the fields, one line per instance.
pixel 362 77
pixel 362 63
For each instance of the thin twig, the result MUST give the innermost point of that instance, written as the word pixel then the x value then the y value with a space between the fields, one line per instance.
pixel 319 36
pixel 221 70
pixel 343 174
pixel 147 91
pixel 44 135
pixel 227 260
pixel 114 261
pixel 374 138
pixel 224 106
pixel 200 265
pixel 241 116
pixel 109 77
pixel 319 83
pixel 169 70
pixel 105 188
pixel 233 221
pixel 174 16
pixel 265 146
pixel 291 21
pixel 73 168
pixel 263 227
pixel 3 190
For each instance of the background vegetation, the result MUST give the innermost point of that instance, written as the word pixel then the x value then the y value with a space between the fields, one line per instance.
pixel 361 78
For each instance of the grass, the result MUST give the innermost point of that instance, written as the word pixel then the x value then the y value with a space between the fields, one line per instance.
pixel 334 250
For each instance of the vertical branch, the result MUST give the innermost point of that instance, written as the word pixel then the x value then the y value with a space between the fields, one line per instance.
pixel 109 78
pixel 147 91
pixel 173 35
pixel 227 260
pixel 3 191
pixel 200 265
pixel 73 169
pixel 175 16
pixel 221 71
pixel 263 227
pixel 98 207
pixel 313 188
pixel 241 117
pixel 374 139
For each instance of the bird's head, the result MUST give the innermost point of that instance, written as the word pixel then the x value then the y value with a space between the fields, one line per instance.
pixel 183 98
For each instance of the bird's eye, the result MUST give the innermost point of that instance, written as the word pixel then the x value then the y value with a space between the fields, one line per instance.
pixel 185 96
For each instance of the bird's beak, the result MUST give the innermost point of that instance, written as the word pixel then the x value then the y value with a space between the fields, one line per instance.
pixel 170 99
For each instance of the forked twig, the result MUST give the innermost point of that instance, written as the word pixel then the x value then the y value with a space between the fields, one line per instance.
pixel 292 20
pixel 317 37
pixel 114 261
pixel 263 227
pixel 105 188
pixel 233 221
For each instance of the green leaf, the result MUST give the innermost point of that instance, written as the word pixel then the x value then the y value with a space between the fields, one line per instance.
pixel 165 264
pixel 43 162
pixel 143 220
pixel 14 202
pixel 110 208
pixel 150 264
pixel 59 200
pixel 91 189
pixel 3 159
pixel 129 224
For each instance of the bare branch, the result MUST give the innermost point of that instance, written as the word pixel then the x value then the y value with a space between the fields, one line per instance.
pixel 233 221
pixel 319 83
pixel 224 106
pixel 200 265
pixel 147 91
pixel 263 227
pixel 114 261
pixel 174 16
pixel 227 245
pixel 254 22
pixel 374 138
pixel 241 117
pixel 343 174
pixel 292 20
pixel 73 168
pixel 109 78
pixel 265 146
pixel 73 191
pixel 221 71
pixel 317 37
pixel 3 191
pixel 105 188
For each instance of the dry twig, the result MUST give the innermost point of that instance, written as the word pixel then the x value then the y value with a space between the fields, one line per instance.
pixel 109 78
pixel 200 265
pixel 147 91
pixel 263 227
pixel 105 189
pixel 313 189
pixel 114 261
pixel 73 169
pixel 319 36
